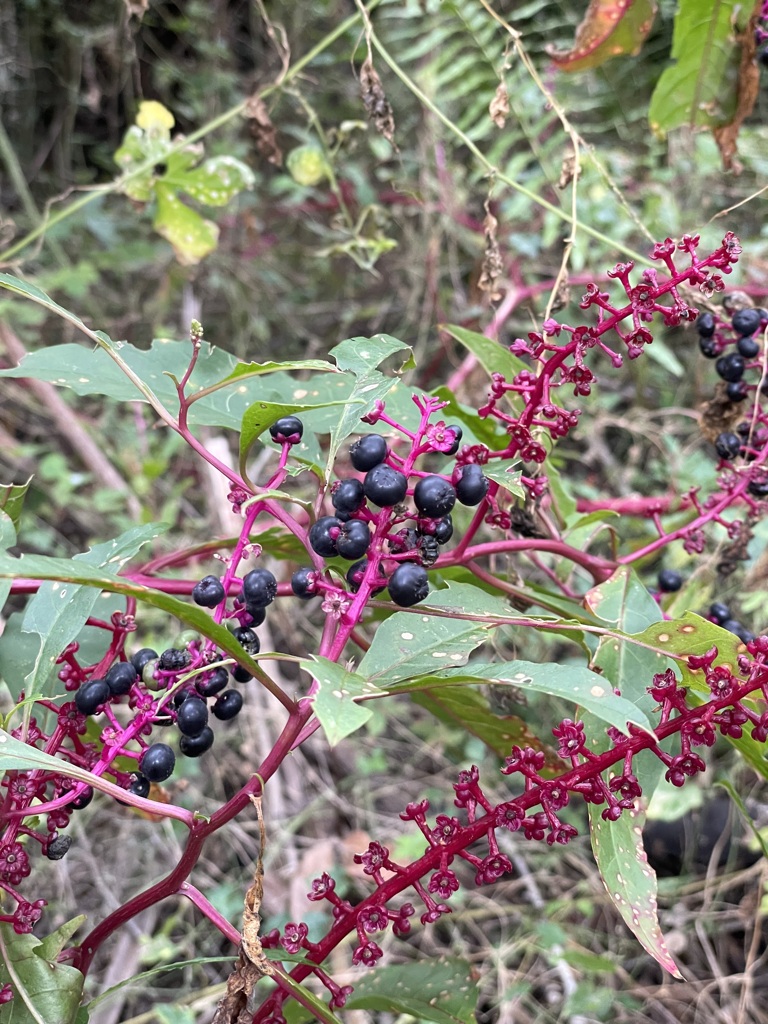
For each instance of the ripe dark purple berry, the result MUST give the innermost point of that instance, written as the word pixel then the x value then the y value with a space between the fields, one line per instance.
pixel 157 762
pixel 736 391
pixel 121 677
pixel 58 847
pixel 669 581
pixel 408 584
pixel 728 445
pixel 259 588
pixel 91 696
pixel 354 539
pixel 139 785
pixel 214 683
pixel 140 658
pixel 194 746
pixel 227 705
pixel 241 675
pixel 247 639
pixel 385 486
pixel 347 495
pixel 709 347
pixel 192 717
pixel 738 629
pixel 705 325
pixel 730 367
pixel 355 575
pixel 457 432
pixel 471 484
pixel 758 487
pixel 745 321
pixel 258 615
pixel 303 583
pixel 747 347
pixel 444 530
pixel 323 534
pixel 287 430
pixel 719 612
pixel 368 451
pixel 208 592
pixel 434 496
pixel 82 800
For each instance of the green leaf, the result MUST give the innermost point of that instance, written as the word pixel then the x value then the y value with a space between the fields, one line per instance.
pixel 407 645
pixel 700 89
pixel 507 474
pixel 574 683
pixel 31 291
pixel 12 499
pixel 467 708
pixel 217 181
pixel 57 613
pixel 367 390
pixel 335 702
pixel 361 355
pixel 445 993
pixel 192 236
pixel 492 356
pixel 609 28
pixel 53 943
pixel 629 880
pixel 45 992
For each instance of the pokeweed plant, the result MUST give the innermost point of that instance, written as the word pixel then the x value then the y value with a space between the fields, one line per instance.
pixel 368 529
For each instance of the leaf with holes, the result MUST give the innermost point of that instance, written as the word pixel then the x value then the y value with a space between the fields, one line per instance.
pixel 609 28
pixel 335 702
pixel 629 880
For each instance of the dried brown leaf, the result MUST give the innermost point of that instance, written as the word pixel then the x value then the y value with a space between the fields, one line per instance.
pixel 377 106
pixel 493 264
pixel 499 106
pixel 747 90
pixel 263 130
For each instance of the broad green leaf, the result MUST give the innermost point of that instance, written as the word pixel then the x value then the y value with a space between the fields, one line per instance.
pixel 361 355
pixel 261 415
pixel 367 390
pixel 609 28
pixel 12 499
pixel 257 369
pixel 192 236
pixel 468 708
pixel 574 683
pixel 445 993
pixel 57 613
pixel 629 880
pixel 335 703
pixel 407 645
pixel 65 570
pixel 45 992
pixel 54 942
pixel 631 884
pixel 700 88
pixel 7 540
pixel 492 356
pixel 31 291
pixel 217 181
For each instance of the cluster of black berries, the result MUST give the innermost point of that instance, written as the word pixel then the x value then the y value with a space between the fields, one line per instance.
pixel 347 533
pixel 721 614
pixel 715 338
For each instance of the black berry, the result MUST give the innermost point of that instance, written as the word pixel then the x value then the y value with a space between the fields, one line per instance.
pixel 258 615
pixel 259 588
pixel 227 705
pixel 139 786
pixel 669 581
pixel 728 445
pixel 323 534
pixel 355 575
pixel 747 347
pixel 444 530
pixel 434 496
pixel 736 391
pixel 457 432
pixel 92 695
pixel 208 592
pixel 140 658
pixel 213 684
pixel 738 629
pixel 758 488
pixel 385 486
pixel 705 325
pixel 347 495
pixel 287 430
pixel 408 584
pixel 303 583
pixel 57 847
pixel 192 717
pixel 194 746
pixel 82 800
pixel 354 539
pixel 730 367
pixel 406 539
pixel 121 677
pixel 745 321
pixel 368 451
pixel 719 612
pixel 173 660
pixel 471 484
pixel 247 639
pixel 709 347
pixel 157 762
pixel 241 675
